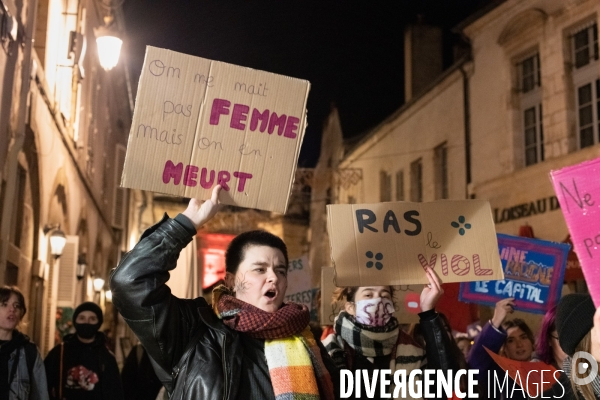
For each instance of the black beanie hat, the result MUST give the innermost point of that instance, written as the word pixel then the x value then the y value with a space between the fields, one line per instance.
pixel 574 319
pixel 89 306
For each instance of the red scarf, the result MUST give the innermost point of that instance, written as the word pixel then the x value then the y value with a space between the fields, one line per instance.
pixel 289 320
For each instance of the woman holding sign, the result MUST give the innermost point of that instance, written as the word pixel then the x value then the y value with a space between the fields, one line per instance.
pixel 368 337
pixel 248 345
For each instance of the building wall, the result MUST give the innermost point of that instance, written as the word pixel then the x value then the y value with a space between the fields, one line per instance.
pixel 521 194
pixel 75 130
pixel 413 133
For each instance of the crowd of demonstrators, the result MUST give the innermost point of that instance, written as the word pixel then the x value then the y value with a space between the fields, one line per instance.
pixel 82 367
pixel 22 374
pixel 248 345
pixel 367 336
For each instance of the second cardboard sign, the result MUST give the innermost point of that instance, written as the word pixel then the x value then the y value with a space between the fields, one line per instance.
pixel 391 243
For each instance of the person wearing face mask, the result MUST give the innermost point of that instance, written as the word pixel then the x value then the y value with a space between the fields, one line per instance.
pixel 367 336
pixel 82 367
pixel 248 345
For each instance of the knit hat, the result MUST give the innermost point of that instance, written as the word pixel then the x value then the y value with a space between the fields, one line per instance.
pixel 574 319
pixel 89 306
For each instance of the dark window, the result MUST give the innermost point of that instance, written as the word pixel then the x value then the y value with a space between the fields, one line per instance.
pixel 529 73
pixel 416 180
pixel 585 46
pixel 534 135
pixel 585 112
pixel 12 274
pixel 385 186
pixel 400 185
pixel 441 172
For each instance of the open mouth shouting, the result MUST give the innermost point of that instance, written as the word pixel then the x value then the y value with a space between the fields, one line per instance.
pixel 271 294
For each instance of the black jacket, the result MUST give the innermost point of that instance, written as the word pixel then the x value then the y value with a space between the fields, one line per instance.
pixel 95 358
pixel 139 379
pixel 183 337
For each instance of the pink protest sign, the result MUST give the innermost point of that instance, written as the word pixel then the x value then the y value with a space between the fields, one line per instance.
pixel 578 190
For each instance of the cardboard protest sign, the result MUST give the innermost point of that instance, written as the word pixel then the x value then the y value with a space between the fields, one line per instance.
pixel 391 243
pixel 529 375
pixel 199 122
pixel 533 274
pixel 578 191
pixel 407 300
pixel 299 288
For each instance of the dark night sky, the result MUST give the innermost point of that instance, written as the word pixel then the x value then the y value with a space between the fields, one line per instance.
pixel 351 52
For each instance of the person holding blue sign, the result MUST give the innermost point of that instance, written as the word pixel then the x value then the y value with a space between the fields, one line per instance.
pixel 368 337
pixel 514 337
pixel 248 345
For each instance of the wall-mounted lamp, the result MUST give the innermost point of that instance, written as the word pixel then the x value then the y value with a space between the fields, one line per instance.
pixel 81 265
pixel 109 43
pixel 98 284
pixel 58 239
pixel 108 295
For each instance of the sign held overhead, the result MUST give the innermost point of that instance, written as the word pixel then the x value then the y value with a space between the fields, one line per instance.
pixel 198 123
pixel 578 190
pixel 391 243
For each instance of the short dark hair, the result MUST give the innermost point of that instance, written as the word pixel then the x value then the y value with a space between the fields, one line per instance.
pixel 237 248
pixel 519 323
pixel 7 291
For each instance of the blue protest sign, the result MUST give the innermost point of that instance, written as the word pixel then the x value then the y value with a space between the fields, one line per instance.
pixel 533 270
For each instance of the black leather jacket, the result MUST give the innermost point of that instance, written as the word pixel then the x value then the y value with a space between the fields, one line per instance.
pixel 194 354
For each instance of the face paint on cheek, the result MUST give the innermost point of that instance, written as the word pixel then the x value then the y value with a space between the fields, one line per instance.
pixel 374 312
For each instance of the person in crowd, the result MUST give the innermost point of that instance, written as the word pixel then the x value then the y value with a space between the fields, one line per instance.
pixel 578 328
pixel 367 336
pixel 248 345
pixel 464 344
pixel 21 366
pixel 139 379
pixel 513 337
pixel 82 367
pixel 548 348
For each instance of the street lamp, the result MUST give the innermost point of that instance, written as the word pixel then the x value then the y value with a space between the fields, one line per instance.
pixel 58 239
pixel 81 265
pixel 109 43
pixel 98 284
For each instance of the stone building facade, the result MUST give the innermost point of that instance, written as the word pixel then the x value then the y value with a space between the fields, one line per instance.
pixel 64 126
pixel 525 101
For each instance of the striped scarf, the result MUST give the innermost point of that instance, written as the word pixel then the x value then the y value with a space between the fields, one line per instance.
pixel 293 357
pixel 351 337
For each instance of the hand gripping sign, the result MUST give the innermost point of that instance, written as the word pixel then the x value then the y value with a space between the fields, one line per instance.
pixel 198 123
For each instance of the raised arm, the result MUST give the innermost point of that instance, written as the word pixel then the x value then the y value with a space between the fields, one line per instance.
pixel 163 323
pixel 437 339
